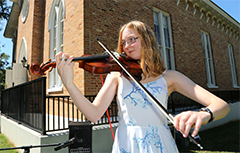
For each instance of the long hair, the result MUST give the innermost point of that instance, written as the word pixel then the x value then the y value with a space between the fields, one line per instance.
pixel 151 62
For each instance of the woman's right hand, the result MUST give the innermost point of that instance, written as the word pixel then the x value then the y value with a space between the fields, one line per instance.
pixel 65 65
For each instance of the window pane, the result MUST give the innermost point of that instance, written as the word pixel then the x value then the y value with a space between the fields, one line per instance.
pixel 55 33
pixel 157 28
pixel 168 59
pixel 166 37
pixel 61 28
pixel 165 30
pixel 208 58
pixel 232 64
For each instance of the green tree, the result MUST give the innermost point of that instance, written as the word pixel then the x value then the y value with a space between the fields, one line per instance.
pixel 4 10
pixel 4 15
pixel 3 65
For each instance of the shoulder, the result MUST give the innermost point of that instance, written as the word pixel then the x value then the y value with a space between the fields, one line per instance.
pixel 173 75
pixel 176 80
pixel 110 85
pixel 113 77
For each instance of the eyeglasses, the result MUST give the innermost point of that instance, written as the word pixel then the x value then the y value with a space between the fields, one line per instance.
pixel 129 41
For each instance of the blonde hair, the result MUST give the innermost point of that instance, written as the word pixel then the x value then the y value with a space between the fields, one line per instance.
pixel 151 62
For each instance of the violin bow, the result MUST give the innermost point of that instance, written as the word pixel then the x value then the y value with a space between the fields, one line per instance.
pixel 159 105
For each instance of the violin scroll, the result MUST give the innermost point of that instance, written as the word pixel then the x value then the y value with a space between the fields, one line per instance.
pixel 41 69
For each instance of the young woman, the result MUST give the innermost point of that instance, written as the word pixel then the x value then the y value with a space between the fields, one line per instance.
pixel 142 126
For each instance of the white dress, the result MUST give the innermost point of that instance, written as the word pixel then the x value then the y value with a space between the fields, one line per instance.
pixel 142 126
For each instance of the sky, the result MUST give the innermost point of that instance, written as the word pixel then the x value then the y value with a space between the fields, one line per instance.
pixel 229 6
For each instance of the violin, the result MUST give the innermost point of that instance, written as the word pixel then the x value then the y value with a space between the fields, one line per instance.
pixel 97 64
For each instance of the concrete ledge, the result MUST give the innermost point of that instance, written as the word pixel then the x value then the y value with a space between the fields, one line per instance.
pixel 20 136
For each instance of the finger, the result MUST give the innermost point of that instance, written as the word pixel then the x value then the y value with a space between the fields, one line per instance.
pixel 69 60
pixel 197 127
pixel 57 57
pixel 64 56
pixel 189 124
pixel 182 123
pixel 176 121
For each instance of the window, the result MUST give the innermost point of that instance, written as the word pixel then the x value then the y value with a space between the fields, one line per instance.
pixel 208 60
pixel 163 33
pixel 22 51
pixel 232 64
pixel 25 8
pixel 55 27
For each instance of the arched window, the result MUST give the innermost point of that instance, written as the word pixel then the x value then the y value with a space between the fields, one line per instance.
pixel 22 51
pixel 55 27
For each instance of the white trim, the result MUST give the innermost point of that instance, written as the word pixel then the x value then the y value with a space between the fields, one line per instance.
pixel 57 14
pixel 232 65
pixel 208 60
pixel 159 18
pixel 220 11
pixel 236 87
pixel 212 86
pixel 55 89
pixel 22 51
pixel 178 1
pixel 52 12
pixel 25 8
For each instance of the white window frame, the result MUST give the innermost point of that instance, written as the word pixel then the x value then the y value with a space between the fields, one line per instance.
pixel 25 8
pixel 23 51
pixel 167 56
pixel 208 59
pixel 55 27
pixel 232 65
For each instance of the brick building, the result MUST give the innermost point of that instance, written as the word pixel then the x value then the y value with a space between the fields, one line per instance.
pixel 195 37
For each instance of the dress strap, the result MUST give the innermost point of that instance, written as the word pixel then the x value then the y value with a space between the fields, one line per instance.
pixel 164 73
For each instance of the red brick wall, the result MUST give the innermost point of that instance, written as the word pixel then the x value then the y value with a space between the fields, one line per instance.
pixel 32 30
pixel 25 30
pixel 104 19
pixel 86 20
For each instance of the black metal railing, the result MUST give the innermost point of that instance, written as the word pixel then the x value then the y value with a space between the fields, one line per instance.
pixel 25 103
pixel 178 103
pixel 230 96
pixel 61 110
pixel 28 104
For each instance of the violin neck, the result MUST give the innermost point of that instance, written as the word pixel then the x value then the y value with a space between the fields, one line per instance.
pixel 92 57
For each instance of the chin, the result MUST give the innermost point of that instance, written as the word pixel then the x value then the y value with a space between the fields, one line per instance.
pixel 136 58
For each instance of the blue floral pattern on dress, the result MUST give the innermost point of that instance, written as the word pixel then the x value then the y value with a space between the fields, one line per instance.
pixel 131 122
pixel 153 86
pixel 135 99
pixel 144 101
pixel 150 137
pixel 124 151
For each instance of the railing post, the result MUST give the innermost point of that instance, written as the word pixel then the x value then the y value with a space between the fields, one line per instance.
pixel 44 105
pixel 173 104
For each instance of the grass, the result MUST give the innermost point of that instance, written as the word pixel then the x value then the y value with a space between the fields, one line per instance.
pixel 221 139
pixel 5 144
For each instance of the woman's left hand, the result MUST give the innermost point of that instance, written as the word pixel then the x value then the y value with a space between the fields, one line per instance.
pixel 184 121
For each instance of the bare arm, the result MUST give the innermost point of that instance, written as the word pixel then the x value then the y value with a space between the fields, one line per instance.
pixel 93 111
pixel 184 121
